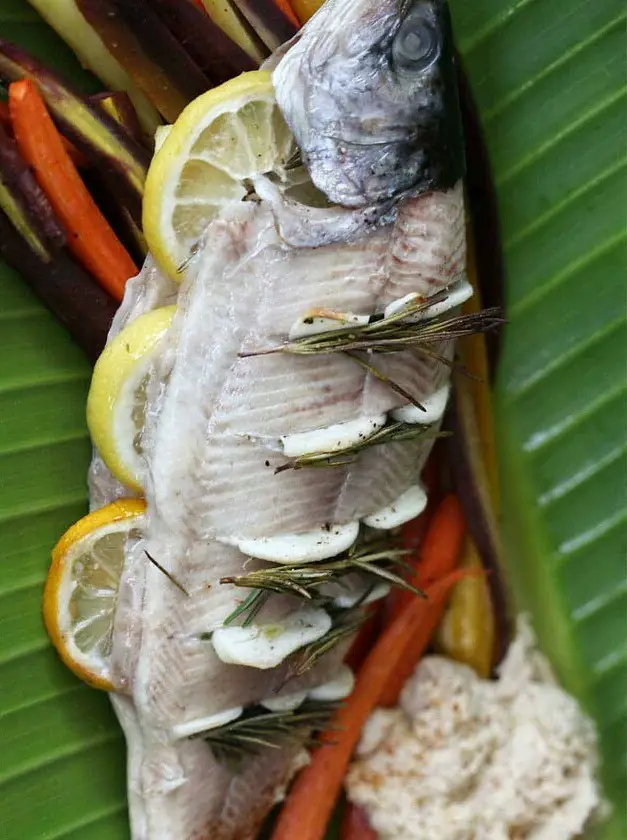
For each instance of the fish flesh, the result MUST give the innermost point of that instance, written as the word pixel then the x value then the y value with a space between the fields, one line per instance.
pixel 368 91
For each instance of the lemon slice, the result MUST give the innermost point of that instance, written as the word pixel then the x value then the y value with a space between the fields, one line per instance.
pixel 117 396
pixel 81 589
pixel 221 140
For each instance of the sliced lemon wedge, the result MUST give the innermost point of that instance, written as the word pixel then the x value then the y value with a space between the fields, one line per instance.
pixel 221 140
pixel 81 589
pixel 117 396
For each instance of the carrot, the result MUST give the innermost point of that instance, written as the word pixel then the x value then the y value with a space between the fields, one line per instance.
pixel 90 238
pixel 440 550
pixel 365 638
pixel 287 10
pixel 414 530
pixel 78 158
pixel 416 646
pixel 355 825
pixel 311 800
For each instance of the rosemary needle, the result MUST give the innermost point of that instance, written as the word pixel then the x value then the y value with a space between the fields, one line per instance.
pixel 346 622
pixel 402 330
pixel 304 579
pixel 169 575
pixel 257 728
pixel 391 334
pixel 395 431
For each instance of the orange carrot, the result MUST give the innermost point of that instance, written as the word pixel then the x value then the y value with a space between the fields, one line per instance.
pixel 365 638
pixel 443 541
pixel 90 238
pixel 414 530
pixel 355 825
pixel 416 646
pixel 287 10
pixel 311 800
pixel 440 550
pixel 78 158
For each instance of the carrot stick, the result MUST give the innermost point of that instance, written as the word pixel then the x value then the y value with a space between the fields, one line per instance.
pixel 90 238
pixel 440 551
pixel 78 158
pixel 355 825
pixel 416 646
pixel 287 10
pixel 413 532
pixel 311 800
pixel 365 638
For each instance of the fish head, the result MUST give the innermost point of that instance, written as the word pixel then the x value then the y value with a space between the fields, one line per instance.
pixel 369 92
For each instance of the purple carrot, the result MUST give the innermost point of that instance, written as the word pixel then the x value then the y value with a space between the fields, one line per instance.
pixel 64 288
pixel 213 51
pixel 21 192
pixel 269 22
pixel 97 135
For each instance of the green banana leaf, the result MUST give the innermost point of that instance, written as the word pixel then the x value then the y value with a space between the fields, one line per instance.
pixel 549 80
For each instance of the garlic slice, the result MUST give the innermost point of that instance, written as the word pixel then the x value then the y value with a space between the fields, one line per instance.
pixel 332 438
pixel 408 505
pixel 433 409
pixel 307 547
pixel 337 688
pixel 202 724
pixel 267 645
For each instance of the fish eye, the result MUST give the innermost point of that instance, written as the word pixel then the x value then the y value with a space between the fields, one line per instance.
pixel 416 45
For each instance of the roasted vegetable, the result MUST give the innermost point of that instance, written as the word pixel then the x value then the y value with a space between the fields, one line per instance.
pixel 120 159
pixel 123 43
pixel 304 9
pixel 25 204
pixel 467 631
pixel 119 106
pixel 63 287
pixel 90 238
pixel 162 47
pixel 214 52
pixel 311 800
pixel 355 825
pixel 65 18
pixel 225 15
pixel 272 20
pixel 32 241
pixel 473 486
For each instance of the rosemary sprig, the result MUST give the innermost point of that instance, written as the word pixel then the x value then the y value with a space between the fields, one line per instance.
pixel 391 334
pixel 304 579
pixel 395 431
pixel 165 572
pixel 346 622
pixel 257 729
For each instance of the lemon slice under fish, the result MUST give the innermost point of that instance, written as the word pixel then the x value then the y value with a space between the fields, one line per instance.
pixel 117 396
pixel 221 140
pixel 82 587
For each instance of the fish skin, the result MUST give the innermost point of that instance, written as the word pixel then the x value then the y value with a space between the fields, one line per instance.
pixel 399 232
pixel 369 92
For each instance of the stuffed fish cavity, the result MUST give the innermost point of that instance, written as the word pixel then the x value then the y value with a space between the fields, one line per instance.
pixel 368 92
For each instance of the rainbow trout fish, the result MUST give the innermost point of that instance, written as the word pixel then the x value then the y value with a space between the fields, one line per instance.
pixel 284 430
